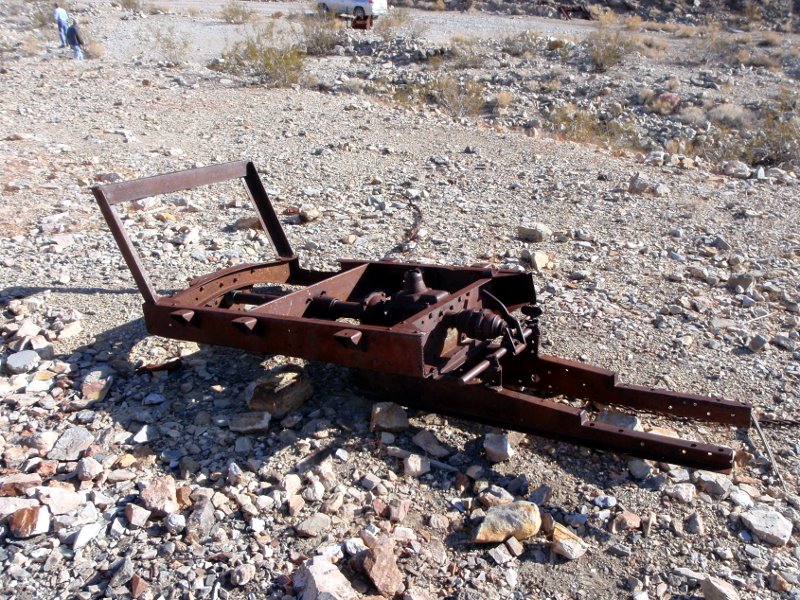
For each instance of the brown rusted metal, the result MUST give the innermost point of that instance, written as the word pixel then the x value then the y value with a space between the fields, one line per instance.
pixel 568 11
pixel 446 339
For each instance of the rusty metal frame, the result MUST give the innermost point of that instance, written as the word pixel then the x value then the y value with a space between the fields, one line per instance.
pixel 461 341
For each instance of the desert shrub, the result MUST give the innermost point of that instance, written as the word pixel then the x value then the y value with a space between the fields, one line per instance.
pixel 603 15
pixel 607 48
pixel 92 48
pixel 776 141
pixel 132 5
pixel 634 22
pixel 654 47
pixel 501 100
pixel 457 98
pixel 692 115
pixel 169 44
pixel 731 115
pixel 321 34
pixel 466 53
pixel 275 62
pixel 157 9
pixel 770 39
pixel 41 15
pixel 520 44
pixel 237 13
pixel 581 125
pixel 387 26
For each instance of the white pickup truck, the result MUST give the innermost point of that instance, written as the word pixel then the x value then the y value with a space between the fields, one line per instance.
pixel 357 8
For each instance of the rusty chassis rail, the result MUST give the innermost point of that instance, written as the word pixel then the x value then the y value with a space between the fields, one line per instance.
pixel 443 339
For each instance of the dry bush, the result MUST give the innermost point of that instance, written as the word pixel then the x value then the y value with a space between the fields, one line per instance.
pixel 520 44
pixel 169 44
pixel 42 15
pixel 580 125
pixel 607 48
pixel 770 39
pixel 634 22
pixel 388 25
pixel 603 15
pixel 321 34
pixel 692 115
pixel 157 9
pixel 192 11
pixel 132 5
pixel 261 54
pixel 731 115
pixel 92 48
pixel 465 53
pixel 457 98
pixel 653 47
pixel 776 141
pixel 237 13
pixel 501 100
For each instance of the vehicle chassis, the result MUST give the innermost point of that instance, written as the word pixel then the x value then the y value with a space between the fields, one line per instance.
pixel 438 338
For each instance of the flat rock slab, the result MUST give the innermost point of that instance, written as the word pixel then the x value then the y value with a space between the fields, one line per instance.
pixel 281 391
pixel 71 443
pixel 768 525
pixel 250 422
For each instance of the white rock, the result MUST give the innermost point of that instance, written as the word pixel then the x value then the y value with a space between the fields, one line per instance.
pixel 768 525
pixel 498 447
pixel 323 581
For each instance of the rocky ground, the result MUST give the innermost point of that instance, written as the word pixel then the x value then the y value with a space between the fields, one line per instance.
pixel 655 254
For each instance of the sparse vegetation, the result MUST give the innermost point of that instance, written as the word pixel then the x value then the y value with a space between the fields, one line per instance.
pixel 607 48
pixel 581 125
pixel 389 25
pixel 170 44
pixel 520 44
pixel 275 62
pixel 42 15
pixel 132 5
pixel 237 13
pixel 321 34
pixel 457 98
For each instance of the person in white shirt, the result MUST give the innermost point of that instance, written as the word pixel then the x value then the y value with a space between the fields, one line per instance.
pixel 61 19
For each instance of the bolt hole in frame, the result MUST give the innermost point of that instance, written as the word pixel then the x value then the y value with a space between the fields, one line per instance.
pixel 397 319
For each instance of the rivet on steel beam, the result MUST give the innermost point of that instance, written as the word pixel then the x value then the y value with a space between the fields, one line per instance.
pixel 183 315
pixel 349 338
pixel 246 324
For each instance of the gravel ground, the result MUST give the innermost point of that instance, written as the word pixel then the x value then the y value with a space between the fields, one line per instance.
pixel 692 286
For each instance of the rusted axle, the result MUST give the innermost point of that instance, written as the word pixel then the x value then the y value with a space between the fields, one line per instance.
pixel 444 339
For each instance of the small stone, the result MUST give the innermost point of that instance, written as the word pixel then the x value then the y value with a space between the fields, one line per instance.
pixel 136 515
pixel 175 523
pixel 22 362
pixel 757 343
pixel 323 581
pixel 619 550
pixel 768 525
pixel 154 398
pixel 71 443
pixel 520 519
pixel 695 524
pixel 514 546
pixel 682 492
pixel 159 496
pixel 714 484
pixel 639 469
pixel 243 574
pixel 388 416
pixel 618 419
pixel 639 184
pixel 96 384
pixel 27 522
pixel 566 543
pixel 498 447
pixel 10 505
pixel 60 500
pixel 428 442
pixel 737 169
pixel 415 465
pixel 250 422
pixel 314 525
pixel 495 495
pixel 281 391
pixel 537 232
pixel 201 521
pixel 500 554
pixel 541 495
pixel 625 521
pixel 88 468
pixel 381 567
pixel 87 534
pixel 138 586
pixel 717 589
pixel 123 573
